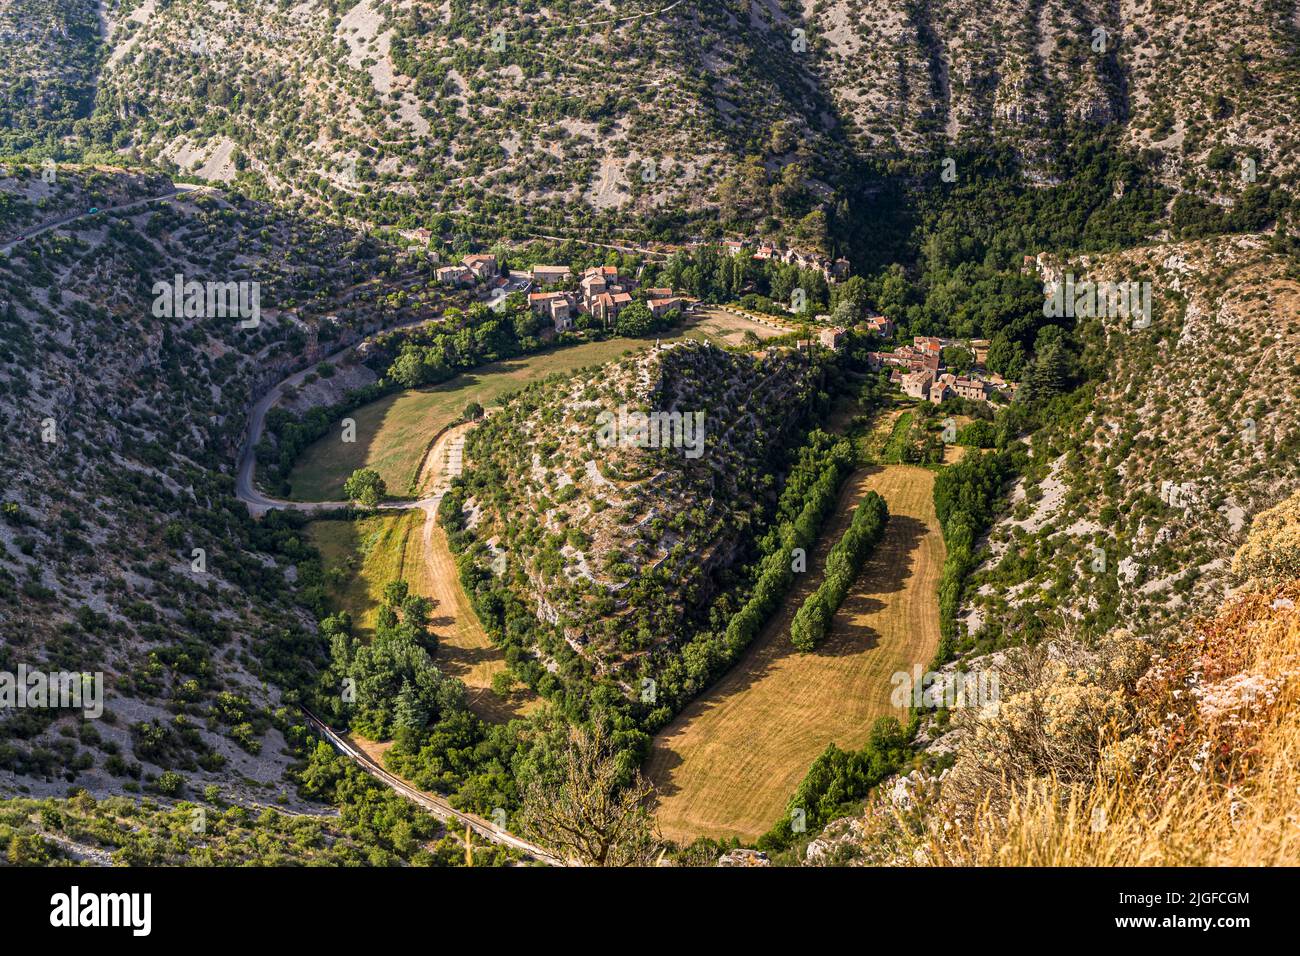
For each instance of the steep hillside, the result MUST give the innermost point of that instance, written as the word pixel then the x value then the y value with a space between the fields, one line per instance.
pixel 616 537
pixel 1130 508
pixel 39 196
pixel 1176 752
pixel 580 107
pixel 1188 83
pixel 49 67
pixel 122 549
pixel 599 117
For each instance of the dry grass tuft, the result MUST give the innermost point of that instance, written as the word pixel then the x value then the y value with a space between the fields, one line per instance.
pixel 1194 763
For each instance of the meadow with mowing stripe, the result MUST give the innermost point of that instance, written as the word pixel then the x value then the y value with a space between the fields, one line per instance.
pixel 727 765
pixel 362 556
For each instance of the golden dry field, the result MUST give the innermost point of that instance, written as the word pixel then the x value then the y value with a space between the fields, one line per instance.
pixel 730 761
pixel 373 551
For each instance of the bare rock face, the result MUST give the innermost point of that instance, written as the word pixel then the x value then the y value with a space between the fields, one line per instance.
pixel 839 836
pixel 744 858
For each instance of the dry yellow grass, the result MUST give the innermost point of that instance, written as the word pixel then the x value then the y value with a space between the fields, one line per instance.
pixel 465 651
pixel 1200 768
pixel 727 328
pixel 730 761
pixel 1185 808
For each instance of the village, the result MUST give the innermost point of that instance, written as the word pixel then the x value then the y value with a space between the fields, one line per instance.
pixel 602 291
pixel 919 370
pixel 832 270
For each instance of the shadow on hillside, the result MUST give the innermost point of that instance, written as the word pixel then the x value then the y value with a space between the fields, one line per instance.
pixel 886 572
pixel 315 476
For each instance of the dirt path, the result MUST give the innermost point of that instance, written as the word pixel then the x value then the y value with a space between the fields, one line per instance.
pixel 730 761
pixel 464 649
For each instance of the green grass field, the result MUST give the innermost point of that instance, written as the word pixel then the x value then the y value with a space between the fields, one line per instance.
pixel 394 431
pixel 362 556
pixel 892 452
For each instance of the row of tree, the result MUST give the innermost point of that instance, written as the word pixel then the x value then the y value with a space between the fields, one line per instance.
pixel 837 782
pixel 809 494
pixel 813 619
pixel 965 500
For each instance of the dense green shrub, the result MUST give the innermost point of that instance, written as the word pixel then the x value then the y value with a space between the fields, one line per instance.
pixel 813 619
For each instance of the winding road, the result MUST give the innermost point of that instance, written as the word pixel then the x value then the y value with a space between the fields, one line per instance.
pixel 442 462
pixel 41 230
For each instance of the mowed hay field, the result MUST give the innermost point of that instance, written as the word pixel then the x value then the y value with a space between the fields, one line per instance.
pixel 362 556
pixel 730 761
pixel 371 552
pixel 394 432
pixel 727 328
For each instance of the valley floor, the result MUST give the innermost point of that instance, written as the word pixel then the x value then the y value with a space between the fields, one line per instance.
pixel 393 433
pixel 730 761
pixel 409 545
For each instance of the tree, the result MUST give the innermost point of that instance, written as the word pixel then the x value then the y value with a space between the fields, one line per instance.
pixel 408 369
pixel 1006 358
pixel 503 684
pixel 365 487
pixel 583 811
pixel 958 359
pixel 473 411
pixel 634 320
pixel 1050 372
pixel 410 713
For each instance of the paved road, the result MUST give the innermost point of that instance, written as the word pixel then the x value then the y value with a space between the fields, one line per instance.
pixel 245 488
pixel 258 504
pixel 446 447
pixel 436 805
pixel 41 230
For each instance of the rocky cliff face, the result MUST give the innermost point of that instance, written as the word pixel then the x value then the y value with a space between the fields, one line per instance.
pixel 122 550
pixel 605 111
pixel 1128 514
